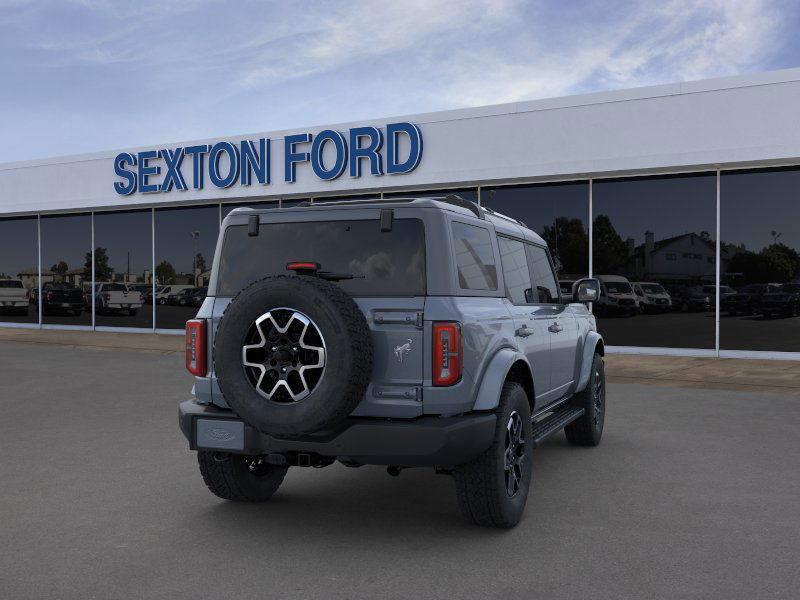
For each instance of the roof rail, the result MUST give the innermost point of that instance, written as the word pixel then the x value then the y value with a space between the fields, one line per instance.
pixel 502 216
pixel 457 200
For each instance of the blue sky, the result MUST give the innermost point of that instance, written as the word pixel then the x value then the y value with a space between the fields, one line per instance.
pixel 86 75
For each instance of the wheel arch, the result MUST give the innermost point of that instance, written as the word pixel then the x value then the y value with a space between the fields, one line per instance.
pixel 506 365
pixel 593 345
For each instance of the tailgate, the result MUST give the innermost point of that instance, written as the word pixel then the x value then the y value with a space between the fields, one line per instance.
pixel 398 357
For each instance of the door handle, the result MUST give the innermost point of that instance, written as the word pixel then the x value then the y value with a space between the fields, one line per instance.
pixel 523 331
pixel 555 328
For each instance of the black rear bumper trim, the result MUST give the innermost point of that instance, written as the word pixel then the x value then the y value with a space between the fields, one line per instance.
pixel 423 442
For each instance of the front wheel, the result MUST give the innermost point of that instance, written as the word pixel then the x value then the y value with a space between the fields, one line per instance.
pixel 492 489
pixel 588 429
pixel 240 477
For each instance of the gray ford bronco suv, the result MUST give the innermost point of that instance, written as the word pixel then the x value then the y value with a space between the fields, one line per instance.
pixel 425 332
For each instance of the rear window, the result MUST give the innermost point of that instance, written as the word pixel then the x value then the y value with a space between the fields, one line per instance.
pixel 10 284
pixel 114 287
pixel 390 263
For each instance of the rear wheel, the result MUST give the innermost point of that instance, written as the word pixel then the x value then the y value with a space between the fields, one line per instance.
pixel 492 489
pixel 588 429
pixel 240 477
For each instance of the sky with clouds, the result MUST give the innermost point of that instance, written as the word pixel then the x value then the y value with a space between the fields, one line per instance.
pixel 85 75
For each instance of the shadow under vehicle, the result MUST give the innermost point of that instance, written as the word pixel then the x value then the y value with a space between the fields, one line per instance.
pixel 747 301
pixel 652 297
pixel 62 298
pixel 687 298
pixel 785 301
pixel 616 297
pixel 14 298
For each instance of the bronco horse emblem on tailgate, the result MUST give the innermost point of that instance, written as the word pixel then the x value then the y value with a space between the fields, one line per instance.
pixel 403 349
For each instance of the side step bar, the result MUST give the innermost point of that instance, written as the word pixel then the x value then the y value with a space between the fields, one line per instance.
pixel 554 422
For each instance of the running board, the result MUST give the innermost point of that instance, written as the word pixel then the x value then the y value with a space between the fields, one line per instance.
pixel 554 422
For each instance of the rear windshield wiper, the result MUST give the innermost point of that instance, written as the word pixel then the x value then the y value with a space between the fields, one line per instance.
pixel 315 269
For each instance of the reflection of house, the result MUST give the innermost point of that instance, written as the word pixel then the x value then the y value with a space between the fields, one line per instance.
pixel 73 276
pixel 688 257
pixel 30 277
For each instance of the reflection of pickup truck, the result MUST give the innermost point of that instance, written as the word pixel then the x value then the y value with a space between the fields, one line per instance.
pixel 116 298
pixel 747 301
pixel 61 297
pixel 13 296
pixel 784 301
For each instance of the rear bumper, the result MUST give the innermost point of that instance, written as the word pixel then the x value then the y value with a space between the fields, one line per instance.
pixel 422 442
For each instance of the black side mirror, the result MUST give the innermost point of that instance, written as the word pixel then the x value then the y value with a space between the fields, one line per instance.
pixel 586 290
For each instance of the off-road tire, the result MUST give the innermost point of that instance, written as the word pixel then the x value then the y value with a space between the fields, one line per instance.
pixel 229 476
pixel 588 429
pixel 481 483
pixel 349 355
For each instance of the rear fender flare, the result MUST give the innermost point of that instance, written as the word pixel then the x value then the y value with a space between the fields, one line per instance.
pixel 592 344
pixel 494 377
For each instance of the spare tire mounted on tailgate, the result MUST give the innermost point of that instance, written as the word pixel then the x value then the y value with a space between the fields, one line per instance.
pixel 293 355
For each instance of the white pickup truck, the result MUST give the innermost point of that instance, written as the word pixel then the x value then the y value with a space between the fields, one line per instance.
pixel 13 296
pixel 116 298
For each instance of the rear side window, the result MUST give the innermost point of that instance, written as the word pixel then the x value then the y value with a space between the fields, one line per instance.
pixel 543 277
pixel 388 263
pixel 474 257
pixel 515 270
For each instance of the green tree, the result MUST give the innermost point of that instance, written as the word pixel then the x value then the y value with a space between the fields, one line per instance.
pixel 568 240
pixel 60 268
pixel 102 270
pixel 165 273
pixel 610 253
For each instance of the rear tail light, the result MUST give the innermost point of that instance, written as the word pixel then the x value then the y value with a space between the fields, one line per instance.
pixel 446 353
pixel 196 347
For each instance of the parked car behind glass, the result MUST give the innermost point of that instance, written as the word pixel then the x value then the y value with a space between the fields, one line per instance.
pixel 784 301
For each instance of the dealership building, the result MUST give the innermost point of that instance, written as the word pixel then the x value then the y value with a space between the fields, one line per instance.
pixel 684 199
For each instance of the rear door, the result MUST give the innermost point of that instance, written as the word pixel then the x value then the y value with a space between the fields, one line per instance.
pixel 530 332
pixel 557 318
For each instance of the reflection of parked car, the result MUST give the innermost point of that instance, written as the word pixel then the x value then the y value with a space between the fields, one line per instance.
pixel 193 297
pixel 13 296
pixel 180 298
pixel 784 301
pixel 616 296
pixel 165 292
pixel 61 297
pixel 116 298
pixel 747 301
pixel 724 292
pixel 690 299
pixel 651 297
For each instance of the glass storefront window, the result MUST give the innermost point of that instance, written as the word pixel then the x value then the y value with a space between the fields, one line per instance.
pixel 470 194
pixel 655 255
pixel 66 269
pixel 123 267
pixel 19 270
pixel 227 208
pixel 760 260
pixel 185 242
pixel 557 212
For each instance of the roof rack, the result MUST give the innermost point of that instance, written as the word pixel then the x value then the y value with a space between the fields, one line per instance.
pixel 502 216
pixel 457 200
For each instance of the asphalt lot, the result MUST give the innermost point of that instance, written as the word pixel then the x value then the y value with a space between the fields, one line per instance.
pixel 692 494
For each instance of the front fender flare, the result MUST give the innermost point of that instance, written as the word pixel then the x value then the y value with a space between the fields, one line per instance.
pixel 494 377
pixel 589 347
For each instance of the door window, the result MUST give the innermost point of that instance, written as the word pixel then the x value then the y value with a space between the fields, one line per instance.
pixel 544 280
pixel 515 271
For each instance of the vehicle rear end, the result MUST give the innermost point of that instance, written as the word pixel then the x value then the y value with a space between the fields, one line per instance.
pixel 118 297
pixel 13 296
pixel 63 296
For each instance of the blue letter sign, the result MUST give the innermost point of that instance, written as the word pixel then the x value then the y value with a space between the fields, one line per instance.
pixel 329 155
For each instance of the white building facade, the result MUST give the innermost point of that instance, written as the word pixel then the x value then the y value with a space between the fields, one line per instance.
pixel 617 182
